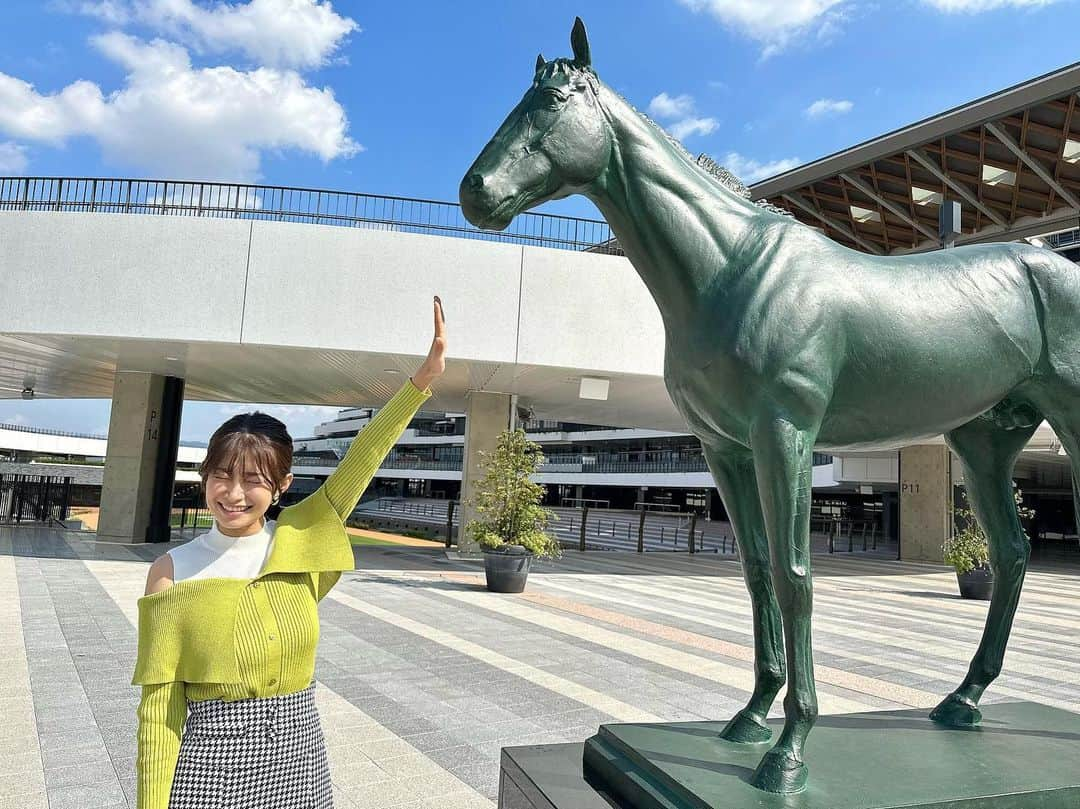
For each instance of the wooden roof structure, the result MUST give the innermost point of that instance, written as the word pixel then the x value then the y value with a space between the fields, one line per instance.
pixel 1011 159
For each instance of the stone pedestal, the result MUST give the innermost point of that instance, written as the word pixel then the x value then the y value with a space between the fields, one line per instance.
pixel 140 460
pixel 925 502
pixel 486 415
pixel 1022 757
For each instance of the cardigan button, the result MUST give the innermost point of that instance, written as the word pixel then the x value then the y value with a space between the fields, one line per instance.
pixel 273 681
pixel 255 584
pixel 273 637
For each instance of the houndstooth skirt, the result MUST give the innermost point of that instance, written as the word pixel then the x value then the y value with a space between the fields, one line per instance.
pixel 256 753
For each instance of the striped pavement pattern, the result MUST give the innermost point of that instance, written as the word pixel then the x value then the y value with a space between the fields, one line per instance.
pixel 423 676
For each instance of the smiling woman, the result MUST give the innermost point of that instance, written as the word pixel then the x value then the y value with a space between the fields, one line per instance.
pixel 229 623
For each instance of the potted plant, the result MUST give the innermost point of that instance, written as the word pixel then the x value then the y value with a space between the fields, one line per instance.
pixel 511 526
pixel 969 554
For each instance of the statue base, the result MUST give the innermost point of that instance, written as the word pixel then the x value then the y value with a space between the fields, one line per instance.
pixel 1023 756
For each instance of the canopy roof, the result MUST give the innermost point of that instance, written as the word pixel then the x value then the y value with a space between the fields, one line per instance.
pixel 1012 159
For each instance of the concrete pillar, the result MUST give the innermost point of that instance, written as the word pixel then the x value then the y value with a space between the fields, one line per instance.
pixel 486 415
pixel 925 502
pixel 140 462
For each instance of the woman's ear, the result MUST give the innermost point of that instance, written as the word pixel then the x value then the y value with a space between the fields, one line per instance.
pixel 286 483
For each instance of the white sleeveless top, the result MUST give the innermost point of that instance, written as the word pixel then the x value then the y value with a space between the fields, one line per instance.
pixel 214 554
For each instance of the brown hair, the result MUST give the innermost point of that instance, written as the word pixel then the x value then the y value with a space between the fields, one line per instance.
pixel 254 441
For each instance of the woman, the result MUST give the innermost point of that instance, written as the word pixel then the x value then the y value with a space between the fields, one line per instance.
pixel 229 622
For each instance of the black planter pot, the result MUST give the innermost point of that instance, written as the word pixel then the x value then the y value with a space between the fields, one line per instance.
pixel 977 584
pixel 507 568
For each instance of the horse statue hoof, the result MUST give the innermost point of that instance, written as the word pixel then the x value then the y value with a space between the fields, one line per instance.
pixel 780 772
pixel 745 729
pixel 956 711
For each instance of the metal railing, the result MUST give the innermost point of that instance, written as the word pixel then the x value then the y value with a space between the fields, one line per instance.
pixel 552 464
pixel 591 525
pixel 22 428
pixel 291 204
pixel 34 498
pixel 446 464
pixel 1068 238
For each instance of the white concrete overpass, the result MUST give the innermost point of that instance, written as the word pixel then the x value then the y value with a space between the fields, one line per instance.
pixel 251 309
pixel 260 311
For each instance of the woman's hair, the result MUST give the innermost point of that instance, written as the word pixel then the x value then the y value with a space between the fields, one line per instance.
pixel 257 443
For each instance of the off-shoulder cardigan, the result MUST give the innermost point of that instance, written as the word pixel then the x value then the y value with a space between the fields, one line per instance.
pixel 230 638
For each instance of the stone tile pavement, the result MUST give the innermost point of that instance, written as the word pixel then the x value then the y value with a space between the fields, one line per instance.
pixel 423 676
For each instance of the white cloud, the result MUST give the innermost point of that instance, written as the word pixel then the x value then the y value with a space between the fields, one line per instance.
pixel 24 113
pixel 278 33
pixel 693 126
pixel 751 171
pixel 827 106
pixel 300 420
pixel 776 24
pixel 682 108
pixel 976 6
pixel 12 158
pixel 172 118
pixel 773 23
pixel 114 12
pixel 665 106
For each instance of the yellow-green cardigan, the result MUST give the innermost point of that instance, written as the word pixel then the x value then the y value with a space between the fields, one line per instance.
pixel 229 638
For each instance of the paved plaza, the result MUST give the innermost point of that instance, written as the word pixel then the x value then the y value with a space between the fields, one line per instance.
pixel 423 675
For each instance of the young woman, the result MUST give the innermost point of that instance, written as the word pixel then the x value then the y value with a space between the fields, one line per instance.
pixel 229 623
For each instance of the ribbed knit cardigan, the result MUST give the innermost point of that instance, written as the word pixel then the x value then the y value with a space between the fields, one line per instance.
pixel 227 638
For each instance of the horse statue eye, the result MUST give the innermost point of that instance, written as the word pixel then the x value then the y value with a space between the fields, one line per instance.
pixel 553 96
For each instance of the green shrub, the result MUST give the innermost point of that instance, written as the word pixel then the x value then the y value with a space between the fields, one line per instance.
pixel 508 501
pixel 967 548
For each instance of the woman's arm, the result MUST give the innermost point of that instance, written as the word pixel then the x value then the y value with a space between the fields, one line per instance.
pixel 371 445
pixel 161 713
pixel 366 452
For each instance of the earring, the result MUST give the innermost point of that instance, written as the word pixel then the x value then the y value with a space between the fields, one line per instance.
pixel 274 502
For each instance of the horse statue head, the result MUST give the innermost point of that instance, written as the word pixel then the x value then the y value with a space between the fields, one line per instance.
pixel 554 143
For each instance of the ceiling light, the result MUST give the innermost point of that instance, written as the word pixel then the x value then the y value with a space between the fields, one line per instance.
pixel 391 371
pixel 992 175
pixel 864 214
pixel 593 387
pixel 924 196
pixel 1072 151
pixel 173 359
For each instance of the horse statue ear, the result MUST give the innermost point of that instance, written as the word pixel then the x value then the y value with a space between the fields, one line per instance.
pixel 579 42
pixel 539 61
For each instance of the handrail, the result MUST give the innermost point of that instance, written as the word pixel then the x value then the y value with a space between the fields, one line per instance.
pixel 282 203
pixel 22 428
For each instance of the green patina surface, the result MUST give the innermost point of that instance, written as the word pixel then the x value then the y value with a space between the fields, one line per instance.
pixel 780 340
pixel 1022 757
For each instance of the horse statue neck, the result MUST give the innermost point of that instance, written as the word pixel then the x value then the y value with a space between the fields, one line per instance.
pixel 678 226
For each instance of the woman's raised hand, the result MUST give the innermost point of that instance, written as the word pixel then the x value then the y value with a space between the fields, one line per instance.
pixel 435 363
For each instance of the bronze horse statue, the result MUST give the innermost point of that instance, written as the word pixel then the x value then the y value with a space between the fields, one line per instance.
pixel 780 341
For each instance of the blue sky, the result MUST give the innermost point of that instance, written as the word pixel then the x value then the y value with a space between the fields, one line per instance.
pixel 398 98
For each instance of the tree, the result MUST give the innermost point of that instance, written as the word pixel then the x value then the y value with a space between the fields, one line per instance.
pixel 967 548
pixel 508 500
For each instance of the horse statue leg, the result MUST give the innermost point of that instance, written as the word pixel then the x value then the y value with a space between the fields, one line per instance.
pixel 732 468
pixel 988 452
pixel 783 464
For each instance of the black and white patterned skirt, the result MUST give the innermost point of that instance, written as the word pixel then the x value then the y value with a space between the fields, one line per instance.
pixel 256 753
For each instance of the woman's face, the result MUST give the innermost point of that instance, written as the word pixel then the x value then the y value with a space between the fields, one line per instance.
pixel 239 501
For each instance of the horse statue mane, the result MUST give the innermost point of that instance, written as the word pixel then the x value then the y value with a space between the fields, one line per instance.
pixel 728 179
pixel 722 176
